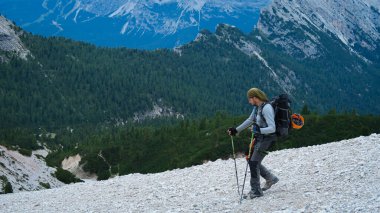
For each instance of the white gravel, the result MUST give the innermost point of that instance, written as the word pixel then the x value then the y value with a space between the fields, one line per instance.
pixel 336 177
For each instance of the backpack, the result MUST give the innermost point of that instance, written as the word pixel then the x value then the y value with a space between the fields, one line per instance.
pixel 282 114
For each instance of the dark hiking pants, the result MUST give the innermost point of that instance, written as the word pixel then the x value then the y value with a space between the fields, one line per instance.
pixel 262 144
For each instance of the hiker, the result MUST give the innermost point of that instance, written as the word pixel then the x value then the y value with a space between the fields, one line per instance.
pixel 264 129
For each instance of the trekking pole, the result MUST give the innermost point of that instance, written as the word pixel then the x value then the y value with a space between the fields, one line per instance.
pixel 246 167
pixel 233 151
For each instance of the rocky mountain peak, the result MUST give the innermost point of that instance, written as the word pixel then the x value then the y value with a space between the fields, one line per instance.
pixel 295 25
pixel 10 41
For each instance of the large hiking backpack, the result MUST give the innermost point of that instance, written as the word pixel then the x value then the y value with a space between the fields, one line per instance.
pixel 282 114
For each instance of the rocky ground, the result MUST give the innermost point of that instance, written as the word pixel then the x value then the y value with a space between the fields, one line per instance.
pixel 336 177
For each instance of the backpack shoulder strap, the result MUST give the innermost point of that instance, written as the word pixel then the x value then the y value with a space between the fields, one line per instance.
pixel 261 111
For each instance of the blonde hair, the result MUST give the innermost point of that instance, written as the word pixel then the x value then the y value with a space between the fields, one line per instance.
pixel 255 92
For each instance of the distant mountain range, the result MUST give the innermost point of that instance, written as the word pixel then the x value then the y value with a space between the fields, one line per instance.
pixel 146 24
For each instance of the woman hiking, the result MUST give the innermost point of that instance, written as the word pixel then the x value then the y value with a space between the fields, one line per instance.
pixel 264 128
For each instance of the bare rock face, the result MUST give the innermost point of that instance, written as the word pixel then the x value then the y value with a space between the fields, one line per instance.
pixel 297 25
pixel 26 173
pixel 10 41
pixel 72 164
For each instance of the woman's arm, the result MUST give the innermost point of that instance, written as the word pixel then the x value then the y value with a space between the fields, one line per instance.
pixel 247 122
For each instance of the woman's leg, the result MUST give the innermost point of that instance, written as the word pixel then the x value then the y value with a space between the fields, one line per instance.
pixel 260 151
pixel 269 177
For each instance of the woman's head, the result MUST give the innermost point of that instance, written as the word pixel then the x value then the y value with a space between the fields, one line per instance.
pixel 257 93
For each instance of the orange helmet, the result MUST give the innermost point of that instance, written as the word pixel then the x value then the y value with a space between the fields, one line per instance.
pixel 297 121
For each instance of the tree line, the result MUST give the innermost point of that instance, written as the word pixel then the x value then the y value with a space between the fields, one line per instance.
pixel 146 148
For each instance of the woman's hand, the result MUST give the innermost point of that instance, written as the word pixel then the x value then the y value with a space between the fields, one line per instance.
pixel 232 131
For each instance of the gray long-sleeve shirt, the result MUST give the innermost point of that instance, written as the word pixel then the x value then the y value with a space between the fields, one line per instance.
pixel 267 126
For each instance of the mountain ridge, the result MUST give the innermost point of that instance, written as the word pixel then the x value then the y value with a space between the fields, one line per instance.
pixel 355 24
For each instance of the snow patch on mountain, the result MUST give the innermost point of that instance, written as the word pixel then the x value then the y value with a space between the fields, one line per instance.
pixel 57 25
pixel 196 5
pixel 75 9
pixel 124 10
pixel 336 177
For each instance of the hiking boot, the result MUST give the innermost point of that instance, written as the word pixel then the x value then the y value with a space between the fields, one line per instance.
pixel 270 183
pixel 251 195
